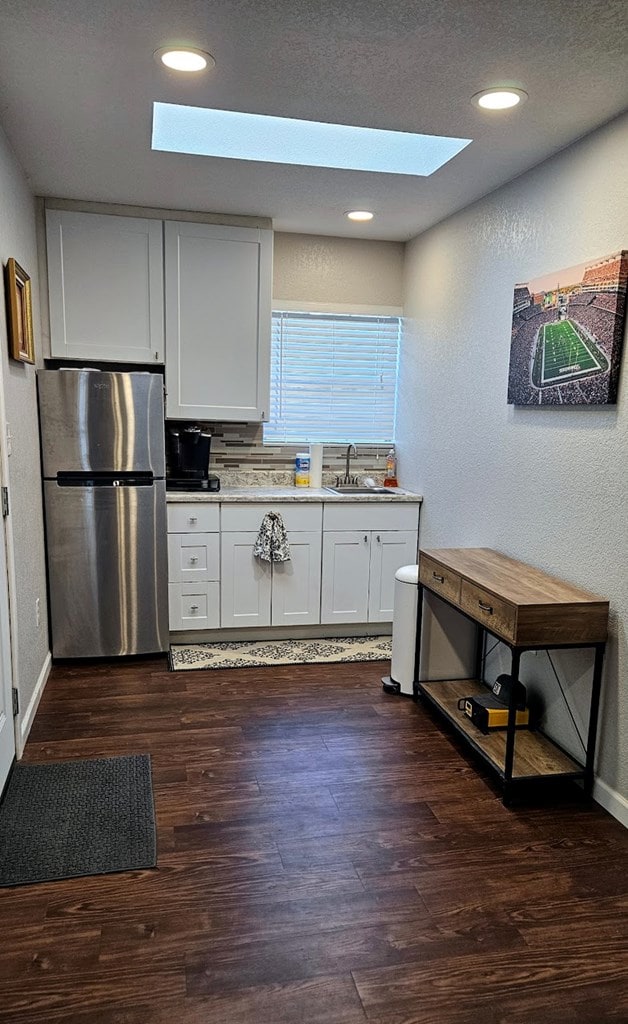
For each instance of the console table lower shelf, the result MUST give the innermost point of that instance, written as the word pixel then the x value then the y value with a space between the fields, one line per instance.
pixel 535 755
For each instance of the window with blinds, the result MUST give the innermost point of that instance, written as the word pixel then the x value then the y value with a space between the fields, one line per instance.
pixel 333 378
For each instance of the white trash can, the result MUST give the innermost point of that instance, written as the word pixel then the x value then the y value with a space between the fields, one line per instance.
pixel 404 631
pixel 448 639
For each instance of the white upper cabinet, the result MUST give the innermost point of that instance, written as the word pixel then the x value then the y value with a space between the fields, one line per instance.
pixel 105 286
pixel 218 318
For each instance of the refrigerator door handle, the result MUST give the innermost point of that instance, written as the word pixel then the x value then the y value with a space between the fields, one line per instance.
pixel 104 480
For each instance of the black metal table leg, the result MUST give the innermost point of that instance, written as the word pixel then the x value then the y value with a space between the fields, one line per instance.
pixel 511 728
pixel 417 644
pixel 478 670
pixel 596 688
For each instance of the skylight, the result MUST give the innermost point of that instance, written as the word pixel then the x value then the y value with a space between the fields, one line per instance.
pixel 285 140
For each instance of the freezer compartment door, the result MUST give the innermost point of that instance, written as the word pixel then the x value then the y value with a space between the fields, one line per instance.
pixel 95 422
pixel 108 569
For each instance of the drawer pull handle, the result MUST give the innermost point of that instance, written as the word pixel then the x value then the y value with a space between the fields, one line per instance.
pixel 193 559
pixel 485 607
pixel 192 519
pixel 379 539
pixel 193 607
pixel 439 579
pixel 366 537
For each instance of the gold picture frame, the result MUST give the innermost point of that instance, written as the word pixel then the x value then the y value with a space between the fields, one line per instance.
pixel 19 313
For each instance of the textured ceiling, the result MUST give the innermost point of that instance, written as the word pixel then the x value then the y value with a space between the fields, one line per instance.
pixel 78 79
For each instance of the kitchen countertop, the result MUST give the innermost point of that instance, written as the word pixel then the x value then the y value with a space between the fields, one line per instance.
pixel 279 494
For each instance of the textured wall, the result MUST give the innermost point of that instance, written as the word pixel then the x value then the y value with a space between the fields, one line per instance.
pixel 17 239
pixel 549 486
pixel 337 271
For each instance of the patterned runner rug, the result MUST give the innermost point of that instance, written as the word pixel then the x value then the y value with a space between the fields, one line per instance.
pixel 250 654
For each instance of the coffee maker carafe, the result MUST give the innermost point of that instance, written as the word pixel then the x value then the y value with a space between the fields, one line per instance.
pixel 188 459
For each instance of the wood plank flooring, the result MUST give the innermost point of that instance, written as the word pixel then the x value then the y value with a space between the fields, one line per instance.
pixel 327 854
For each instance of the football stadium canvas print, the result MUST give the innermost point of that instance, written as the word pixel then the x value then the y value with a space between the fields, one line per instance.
pixel 567 335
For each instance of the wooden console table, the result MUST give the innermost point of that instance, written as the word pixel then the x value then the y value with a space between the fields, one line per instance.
pixel 526 610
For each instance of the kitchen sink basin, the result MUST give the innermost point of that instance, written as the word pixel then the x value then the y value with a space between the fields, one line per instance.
pixel 357 489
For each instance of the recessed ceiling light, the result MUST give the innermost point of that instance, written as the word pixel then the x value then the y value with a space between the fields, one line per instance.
pixel 184 58
pixel 235 135
pixel 360 215
pixel 499 99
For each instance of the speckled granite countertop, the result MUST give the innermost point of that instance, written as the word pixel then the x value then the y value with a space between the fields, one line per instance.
pixel 301 494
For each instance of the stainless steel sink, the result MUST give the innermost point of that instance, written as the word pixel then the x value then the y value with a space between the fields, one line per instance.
pixel 357 489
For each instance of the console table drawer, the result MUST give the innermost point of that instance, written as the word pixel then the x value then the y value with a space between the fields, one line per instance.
pixel 496 615
pixel 440 580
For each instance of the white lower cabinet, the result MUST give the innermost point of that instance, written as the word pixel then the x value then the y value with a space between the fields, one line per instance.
pixel 359 565
pixel 193 567
pixel 389 551
pixel 345 592
pixel 341 570
pixel 246 582
pixel 296 591
pixel 257 593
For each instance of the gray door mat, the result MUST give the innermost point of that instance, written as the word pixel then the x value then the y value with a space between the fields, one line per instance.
pixel 256 653
pixel 75 818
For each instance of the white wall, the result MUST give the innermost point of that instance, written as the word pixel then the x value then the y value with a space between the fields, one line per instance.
pixel 25 525
pixel 546 485
pixel 338 273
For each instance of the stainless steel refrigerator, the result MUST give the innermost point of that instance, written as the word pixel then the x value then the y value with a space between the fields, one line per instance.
pixel 103 455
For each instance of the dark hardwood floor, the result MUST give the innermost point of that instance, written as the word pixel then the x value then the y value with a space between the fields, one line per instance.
pixel 327 855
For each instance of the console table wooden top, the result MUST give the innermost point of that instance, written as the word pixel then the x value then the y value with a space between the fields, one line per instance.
pixel 517 602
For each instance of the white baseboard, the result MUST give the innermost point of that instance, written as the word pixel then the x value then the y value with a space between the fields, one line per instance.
pixel 26 720
pixel 611 801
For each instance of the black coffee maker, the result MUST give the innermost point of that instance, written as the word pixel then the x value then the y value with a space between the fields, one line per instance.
pixel 187 458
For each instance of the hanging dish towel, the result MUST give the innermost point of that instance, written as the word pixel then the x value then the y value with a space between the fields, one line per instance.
pixel 272 540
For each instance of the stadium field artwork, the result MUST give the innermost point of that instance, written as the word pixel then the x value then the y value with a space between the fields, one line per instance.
pixel 567 335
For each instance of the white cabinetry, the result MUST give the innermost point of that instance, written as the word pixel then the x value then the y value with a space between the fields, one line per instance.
pixel 390 549
pixel 346 558
pixel 218 318
pixel 105 286
pixel 257 593
pixel 359 565
pixel 193 567
pixel 246 582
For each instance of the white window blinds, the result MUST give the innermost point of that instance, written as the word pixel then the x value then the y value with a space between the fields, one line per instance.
pixel 333 378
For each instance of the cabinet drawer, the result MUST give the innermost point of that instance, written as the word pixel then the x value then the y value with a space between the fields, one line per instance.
pixel 193 605
pixel 301 516
pixel 371 515
pixel 193 556
pixel 440 580
pixel 193 518
pixel 493 613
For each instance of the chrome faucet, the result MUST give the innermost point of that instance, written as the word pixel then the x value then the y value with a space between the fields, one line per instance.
pixel 351 450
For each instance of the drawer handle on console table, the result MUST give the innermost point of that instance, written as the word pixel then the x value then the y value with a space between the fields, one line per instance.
pixel 485 607
pixel 192 519
pixel 193 607
pixel 439 579
pixel 193 559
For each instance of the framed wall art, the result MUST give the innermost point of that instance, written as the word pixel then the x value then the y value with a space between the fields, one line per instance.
pixel 19 313
pixel 567 335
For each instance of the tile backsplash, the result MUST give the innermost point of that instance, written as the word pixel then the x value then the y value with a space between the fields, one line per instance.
pixel 238 448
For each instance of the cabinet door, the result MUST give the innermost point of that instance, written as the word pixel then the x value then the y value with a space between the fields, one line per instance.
pixel 389 551
pixel 218 315
pixel 245 583
pixel 345 582
pixel 105 286
pixel 296 593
